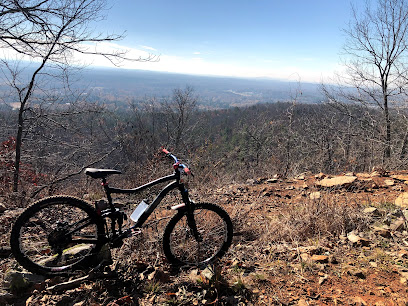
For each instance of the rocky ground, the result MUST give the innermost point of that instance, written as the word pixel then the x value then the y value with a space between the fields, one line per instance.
pixel 310 240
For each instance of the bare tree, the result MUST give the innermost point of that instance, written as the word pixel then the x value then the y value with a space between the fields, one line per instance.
pixel 179 110
pixel 375 57
pixel 48 33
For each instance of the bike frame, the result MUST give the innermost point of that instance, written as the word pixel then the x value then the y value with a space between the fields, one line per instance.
pixel 177 183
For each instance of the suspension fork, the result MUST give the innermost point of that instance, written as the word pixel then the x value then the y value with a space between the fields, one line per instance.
pixel 190 213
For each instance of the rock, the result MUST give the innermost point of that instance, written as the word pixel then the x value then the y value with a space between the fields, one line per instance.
pixel 357 301
pixel 373 264
pixel 375 174
pixel 272 180
pixel 398 188
pixel 311 250
pixel 320 176
pixel 389 182
pixel 398 225
pixel 342 238
pixel 357 240
pixel 363 175
pixel 3 208
pixel 372 211
pixel 159 275
pixel 104 255
pixel 339 181
pixel 378 171
pixel 208 273
pixel 353 237
pixel 402 200
pixel 383 232
pixel 315 195
pixel 364 242
pixel 140 266
pixel 350 174
pixel 357 273
pixel 194 275
pixel 403 254
pixel 402 271
pixel 320 258
pixel 323 279
pixel 400 177
pixel 367 184
pixel 302 302
pixel 300 177
pixel 18 281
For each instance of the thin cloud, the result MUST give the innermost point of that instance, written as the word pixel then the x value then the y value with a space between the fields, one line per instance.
pixel 148 48
pixel 272 68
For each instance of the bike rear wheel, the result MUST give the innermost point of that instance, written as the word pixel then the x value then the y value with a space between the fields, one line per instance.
pixel 215 231
pixel 56 235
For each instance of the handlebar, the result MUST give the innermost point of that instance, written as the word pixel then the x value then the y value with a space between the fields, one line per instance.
pixel 177 166
pixel 169 155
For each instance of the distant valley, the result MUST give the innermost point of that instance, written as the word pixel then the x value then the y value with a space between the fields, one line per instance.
pixel 119 86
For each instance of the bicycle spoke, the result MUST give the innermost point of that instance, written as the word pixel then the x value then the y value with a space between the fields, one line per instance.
pixel 55 236
pixel 213 229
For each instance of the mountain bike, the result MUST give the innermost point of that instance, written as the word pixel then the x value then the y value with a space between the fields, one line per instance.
pixel 59 234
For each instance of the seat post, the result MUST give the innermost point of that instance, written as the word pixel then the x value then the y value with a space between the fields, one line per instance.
pixel 107 191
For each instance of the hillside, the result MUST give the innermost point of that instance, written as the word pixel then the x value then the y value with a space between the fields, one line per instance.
pixel 310 240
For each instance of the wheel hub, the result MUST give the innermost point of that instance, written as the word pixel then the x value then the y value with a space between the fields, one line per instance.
pixel 59 237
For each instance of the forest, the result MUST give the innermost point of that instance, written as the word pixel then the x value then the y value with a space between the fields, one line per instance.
pixel 226 145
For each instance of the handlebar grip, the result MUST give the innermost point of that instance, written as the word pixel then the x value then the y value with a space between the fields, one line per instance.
pixel 187 171
pixel 169 155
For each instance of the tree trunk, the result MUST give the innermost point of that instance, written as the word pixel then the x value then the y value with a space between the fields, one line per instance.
pixel 19 141
pixel 387 150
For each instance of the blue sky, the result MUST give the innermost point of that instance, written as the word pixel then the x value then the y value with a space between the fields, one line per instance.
pixel 294 39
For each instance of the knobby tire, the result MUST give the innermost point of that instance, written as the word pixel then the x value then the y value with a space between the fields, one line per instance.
pixel 57 235
pixel 214 227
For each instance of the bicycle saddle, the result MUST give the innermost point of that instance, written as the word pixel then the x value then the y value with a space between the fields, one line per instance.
pixel 100 173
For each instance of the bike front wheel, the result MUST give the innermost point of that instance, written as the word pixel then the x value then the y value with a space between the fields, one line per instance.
pixel 56 235
pixel 182 245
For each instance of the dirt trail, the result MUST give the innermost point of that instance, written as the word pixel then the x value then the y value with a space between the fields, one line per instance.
pixel 295 244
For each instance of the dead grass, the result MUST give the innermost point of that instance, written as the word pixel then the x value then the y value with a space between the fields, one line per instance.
pixel 313 219
pixel 271 233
